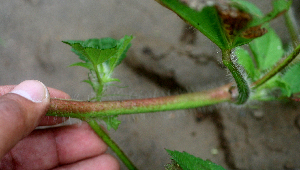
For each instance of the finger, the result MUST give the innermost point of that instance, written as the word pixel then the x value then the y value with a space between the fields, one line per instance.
pixel 53 147
pixel 102 162
pixel 87 144
pixel 52 120
pixel 20 112
pixel 54 93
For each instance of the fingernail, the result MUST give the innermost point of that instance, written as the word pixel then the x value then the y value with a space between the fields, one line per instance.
pixel 32 90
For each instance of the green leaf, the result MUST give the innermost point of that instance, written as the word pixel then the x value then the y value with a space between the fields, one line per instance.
pixel 279 7
pixel 254 12
pixel 279 83
pixel 207 21
pixel 111 122
pixel 267 92
pixel 267 50
pixel 247 7
pixel 81 57
pixel 101 44
pixel 81 64
pixel 258 19
pixel 246 61
pixel 96 51
pixel 190 162
pixel 122 48
pixel 100 56
pixel 292 77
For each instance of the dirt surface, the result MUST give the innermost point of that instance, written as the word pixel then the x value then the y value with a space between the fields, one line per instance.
pixel 166 58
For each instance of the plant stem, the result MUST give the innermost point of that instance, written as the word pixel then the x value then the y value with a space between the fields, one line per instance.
pixel 241 83
pixel 101 133
pixel 84 109
pixel 290 24
pixel 277 68
pixel 100 88
pixel 105 137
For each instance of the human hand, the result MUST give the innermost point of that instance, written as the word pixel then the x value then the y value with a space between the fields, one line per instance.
pixel 22 109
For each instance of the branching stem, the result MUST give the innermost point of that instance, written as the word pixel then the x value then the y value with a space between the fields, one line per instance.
pixel 277 68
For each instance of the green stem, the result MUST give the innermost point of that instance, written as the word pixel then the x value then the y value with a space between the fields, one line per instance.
pixel 277 68
pixel 84 109
pixel 100 88
pixel 242 85
pixel 291 27
pixel 105 137
pixel 100 132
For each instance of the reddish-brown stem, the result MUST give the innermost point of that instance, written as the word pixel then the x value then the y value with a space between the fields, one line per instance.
pixel 85 109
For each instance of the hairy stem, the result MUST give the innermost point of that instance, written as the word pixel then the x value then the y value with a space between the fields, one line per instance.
pixel 105 137
pixel 291 25
pixel 241 83
pixel 84 109
pixel 100 88
pixel 277 68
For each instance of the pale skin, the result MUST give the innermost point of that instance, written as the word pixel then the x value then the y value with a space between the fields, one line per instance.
pixel 62 148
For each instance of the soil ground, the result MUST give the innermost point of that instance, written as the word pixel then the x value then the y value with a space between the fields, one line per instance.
pixel 166 58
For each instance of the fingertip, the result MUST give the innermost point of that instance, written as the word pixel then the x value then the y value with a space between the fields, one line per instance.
pixel 32 90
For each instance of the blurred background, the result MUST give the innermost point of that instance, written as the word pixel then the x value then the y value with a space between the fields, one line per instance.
pixel 167 57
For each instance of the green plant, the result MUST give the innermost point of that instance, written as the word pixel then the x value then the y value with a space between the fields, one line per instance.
pixel 229 25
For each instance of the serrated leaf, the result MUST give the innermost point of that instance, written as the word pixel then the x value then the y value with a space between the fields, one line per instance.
pixel 207 21
pixel 81 56
pixel 96 51
pixel 101 44
pixel 246 61
pixel 267 50
pixel 111 122
pixel 122 47
pixel 292 77
pixel 100 56
pixel 189 162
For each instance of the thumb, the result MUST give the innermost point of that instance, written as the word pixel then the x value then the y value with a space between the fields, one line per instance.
pixel 20 112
